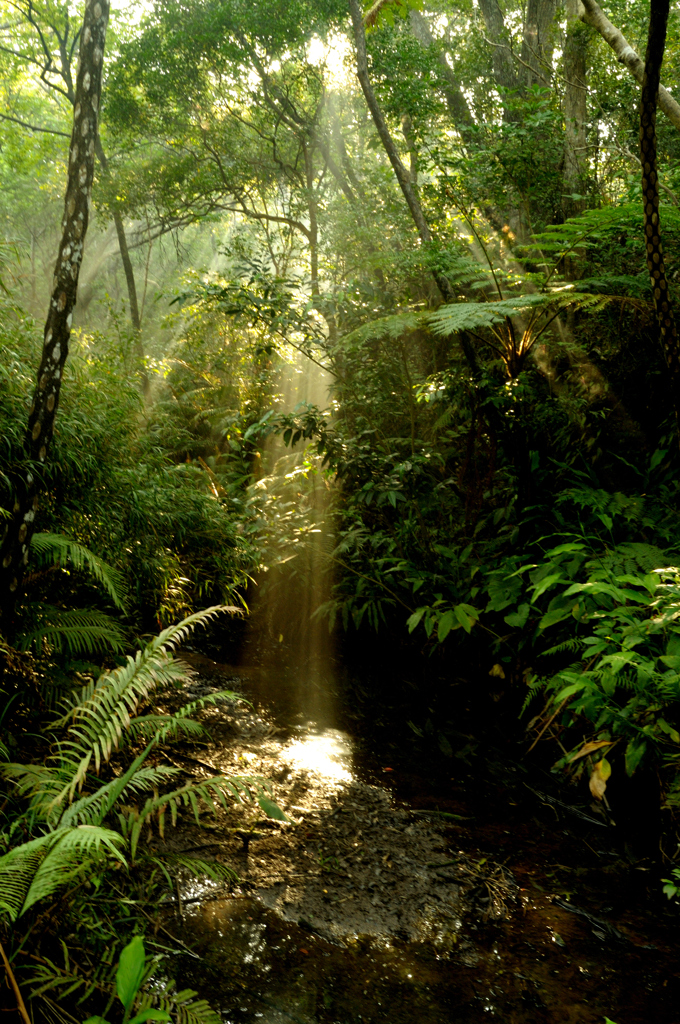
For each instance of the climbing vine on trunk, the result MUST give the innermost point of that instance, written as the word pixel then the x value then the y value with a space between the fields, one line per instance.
pixel 656 43
pixel 19 528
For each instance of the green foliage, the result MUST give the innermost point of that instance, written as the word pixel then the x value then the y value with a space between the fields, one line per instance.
pixel 130 974
pixel 55 549
pixel 67 797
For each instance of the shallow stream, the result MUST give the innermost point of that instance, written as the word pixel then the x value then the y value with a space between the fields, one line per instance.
pixel 409 888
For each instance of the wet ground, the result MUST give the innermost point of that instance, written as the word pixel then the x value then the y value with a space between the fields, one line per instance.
pixel 409 887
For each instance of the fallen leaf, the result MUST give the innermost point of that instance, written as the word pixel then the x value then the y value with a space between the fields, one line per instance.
pixel 598 779
pixel 498 671
pixel 588 748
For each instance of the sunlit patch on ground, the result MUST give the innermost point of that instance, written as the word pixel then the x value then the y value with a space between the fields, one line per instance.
pixel 327 754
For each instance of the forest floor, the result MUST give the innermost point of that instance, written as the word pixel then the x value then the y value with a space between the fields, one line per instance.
pixel 458 899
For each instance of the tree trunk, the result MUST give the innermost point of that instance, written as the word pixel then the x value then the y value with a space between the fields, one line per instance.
pixel 626 55
pixel 456 102
pixel 498 37
pixel 129 272
pixel 656 43
pixel 575 94
pixel 538 43
pixel 402 174
pixel 19 530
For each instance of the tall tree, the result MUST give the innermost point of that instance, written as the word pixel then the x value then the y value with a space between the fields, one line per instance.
pixel 656 43
pixel 19 529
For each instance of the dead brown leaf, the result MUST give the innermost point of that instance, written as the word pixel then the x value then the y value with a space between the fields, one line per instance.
pixel 589 747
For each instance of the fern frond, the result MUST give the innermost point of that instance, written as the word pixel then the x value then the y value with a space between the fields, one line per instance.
pixel 55 548
pixel 37 869
pixel 211 793
pixel 74 851
pixel 165 727
pixel 77 631
pixel 574 643
pixel 200 868
pixel 182 1006
pixel 90 809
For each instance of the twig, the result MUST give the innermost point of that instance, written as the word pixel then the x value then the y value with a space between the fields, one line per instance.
pixel 548 723
pixel 21 1006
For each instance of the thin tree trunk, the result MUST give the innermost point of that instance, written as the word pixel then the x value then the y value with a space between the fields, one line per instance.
pixel 575 95
pixel 129 272
pixel 626 55
pixel 501 60
pixel 656 42
pixel 402 174
pixel 456 102
pixel 313 220
pixel 19 530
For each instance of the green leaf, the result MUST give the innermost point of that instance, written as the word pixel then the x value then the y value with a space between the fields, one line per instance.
pixel 466 616
pixel 271 809
pixel 518 619
pixel 414 619
pixel 130 971
pixel 445 625
pixel 150 1014
pixel 634 754
pixel 545 584
pixel 668 729
pixel 569 691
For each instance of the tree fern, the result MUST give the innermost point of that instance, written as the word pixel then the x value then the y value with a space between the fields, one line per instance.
pixel 55 548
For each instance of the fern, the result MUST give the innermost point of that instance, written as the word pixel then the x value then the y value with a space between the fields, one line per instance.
pixel 183 1005
pixel 629 558
pixel 37 869
pixel 76 632
pixel 199 868
pixel 574 643
pixel 212 793
pixel 55 549
pixel 98 721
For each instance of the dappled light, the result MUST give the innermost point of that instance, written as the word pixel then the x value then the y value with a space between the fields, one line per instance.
pixel 339 511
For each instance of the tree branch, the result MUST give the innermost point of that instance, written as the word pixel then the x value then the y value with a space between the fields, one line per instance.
pixel 34 127
pixel 594 16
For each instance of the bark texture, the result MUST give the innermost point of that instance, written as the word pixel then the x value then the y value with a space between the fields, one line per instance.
pixel 538 42
pixel 575 94
pixel 19 530
pixel 650 192
pixel 626 55
pixel 502 60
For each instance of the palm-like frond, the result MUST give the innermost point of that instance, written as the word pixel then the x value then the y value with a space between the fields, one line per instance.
pixel 211 793
pixel 56 548
pixel 77 632
pixel 37 869
pixel 101 716
pixel 183 1006
pixel 200 868
pixel 91 808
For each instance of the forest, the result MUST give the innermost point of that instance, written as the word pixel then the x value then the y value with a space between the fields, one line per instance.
pixel 338 345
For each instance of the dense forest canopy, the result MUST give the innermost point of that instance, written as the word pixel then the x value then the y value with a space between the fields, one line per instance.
pixel 421 256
